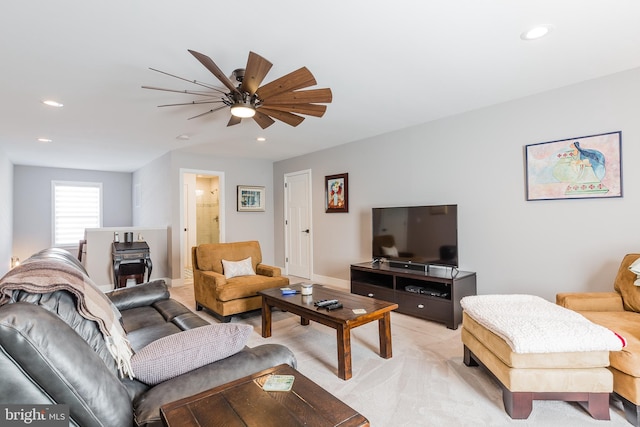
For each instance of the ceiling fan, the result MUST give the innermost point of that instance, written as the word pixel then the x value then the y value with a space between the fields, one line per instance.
pixel 280 99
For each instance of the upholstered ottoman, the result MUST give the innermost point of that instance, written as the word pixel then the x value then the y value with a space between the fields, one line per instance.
pixel 539 351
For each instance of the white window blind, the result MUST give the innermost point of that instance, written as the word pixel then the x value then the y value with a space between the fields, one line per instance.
pixel 76 206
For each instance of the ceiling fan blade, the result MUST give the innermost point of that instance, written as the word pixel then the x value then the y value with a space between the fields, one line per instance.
pixel 207 112
pixel 211 66
pixel 263 120
pixel 195 82
pixel 190 103
pixel 310 96
pixel 189 92
pixel 233 120
pixel 288 118
pixel 308 109
pixel 298 79
pixel 257 69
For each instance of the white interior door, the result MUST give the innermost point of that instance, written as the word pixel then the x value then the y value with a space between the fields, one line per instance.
pixel 298 232
pixel 189 223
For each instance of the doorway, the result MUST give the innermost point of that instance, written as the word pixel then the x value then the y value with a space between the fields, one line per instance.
pixel 202 214
pixel 298 232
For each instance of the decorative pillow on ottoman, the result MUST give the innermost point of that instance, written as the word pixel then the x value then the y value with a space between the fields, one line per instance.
pixel 185 351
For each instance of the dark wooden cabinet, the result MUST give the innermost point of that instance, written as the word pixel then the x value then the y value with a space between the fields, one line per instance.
pixel 433 295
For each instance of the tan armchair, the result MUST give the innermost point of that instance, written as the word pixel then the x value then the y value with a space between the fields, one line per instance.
pixel 618 311
pixel 226 297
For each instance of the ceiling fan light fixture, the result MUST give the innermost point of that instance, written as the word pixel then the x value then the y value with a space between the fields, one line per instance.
pixel 243 110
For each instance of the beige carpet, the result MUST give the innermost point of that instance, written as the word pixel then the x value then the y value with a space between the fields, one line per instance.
pixel 425 383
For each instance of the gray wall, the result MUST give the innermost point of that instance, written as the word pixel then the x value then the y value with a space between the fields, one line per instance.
pixel 152 185
pixel 6 212
pixel 159 186
pixel 476 160
pixel 32 214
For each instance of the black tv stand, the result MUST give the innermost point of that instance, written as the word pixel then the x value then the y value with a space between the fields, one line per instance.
pixel 433 295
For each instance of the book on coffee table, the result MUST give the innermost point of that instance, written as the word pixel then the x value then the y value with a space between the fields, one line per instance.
pixel 278 383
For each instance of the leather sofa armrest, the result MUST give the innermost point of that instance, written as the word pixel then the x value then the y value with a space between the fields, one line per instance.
pixel 140 295
pixel 267 270
pixel 590 301
pixel 44 360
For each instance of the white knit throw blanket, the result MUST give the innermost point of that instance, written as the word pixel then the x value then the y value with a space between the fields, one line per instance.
pixel 44 276
pixel 530 324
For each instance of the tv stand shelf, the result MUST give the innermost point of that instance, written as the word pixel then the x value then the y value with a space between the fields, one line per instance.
pixel 433 295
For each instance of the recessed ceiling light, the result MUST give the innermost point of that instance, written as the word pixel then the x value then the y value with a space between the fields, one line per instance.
pixel 52 103
pixel 261 139
pixel 44 140
pixel 536 32
pixel 183 137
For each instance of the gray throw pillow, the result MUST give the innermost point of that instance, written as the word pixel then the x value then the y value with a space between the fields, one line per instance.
pixel 185 351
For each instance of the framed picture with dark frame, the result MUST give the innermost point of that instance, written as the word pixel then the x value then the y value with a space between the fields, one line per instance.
pixel 336 189
pixel 575 168
pixel 251 198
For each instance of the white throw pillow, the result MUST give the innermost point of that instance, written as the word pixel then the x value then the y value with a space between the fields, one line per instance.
pixel 392 251
pixel 185 351
pixel 635 268
pixel 237 268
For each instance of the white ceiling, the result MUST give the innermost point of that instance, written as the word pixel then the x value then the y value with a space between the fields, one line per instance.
pixel 390 65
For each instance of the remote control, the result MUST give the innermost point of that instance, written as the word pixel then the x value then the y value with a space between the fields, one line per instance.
pixel 334 306
pixel 325 302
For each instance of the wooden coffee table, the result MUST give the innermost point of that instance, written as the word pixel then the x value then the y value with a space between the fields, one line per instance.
pixel 243 403
pixel 342 320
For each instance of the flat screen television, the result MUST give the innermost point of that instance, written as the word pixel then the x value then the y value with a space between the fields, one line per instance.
pixel 409 236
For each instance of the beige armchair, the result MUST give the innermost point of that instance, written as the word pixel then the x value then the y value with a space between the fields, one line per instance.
pixel 224 296
pixel 618 311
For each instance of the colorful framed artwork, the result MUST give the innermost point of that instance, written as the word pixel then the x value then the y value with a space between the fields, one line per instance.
pixel 575 168
pixel 336 189
pixel 251 198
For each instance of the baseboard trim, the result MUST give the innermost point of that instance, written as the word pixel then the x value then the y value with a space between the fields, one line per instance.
pixel 341 284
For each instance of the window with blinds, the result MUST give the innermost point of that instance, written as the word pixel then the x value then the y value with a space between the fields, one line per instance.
pixel 76 206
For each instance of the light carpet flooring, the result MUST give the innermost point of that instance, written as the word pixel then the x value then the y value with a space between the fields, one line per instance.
pixel 425 383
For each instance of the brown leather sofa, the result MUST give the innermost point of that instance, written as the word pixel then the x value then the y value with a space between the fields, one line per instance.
pixel 226 297
pixel 620 312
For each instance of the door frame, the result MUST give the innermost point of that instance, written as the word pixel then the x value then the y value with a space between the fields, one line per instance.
pixel 221 223
pixel 286 219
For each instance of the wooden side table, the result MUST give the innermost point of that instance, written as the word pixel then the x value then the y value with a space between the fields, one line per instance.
pixel 134 252
pixel 244 403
